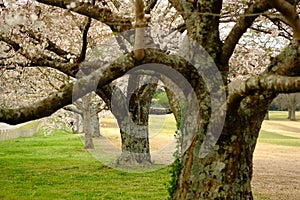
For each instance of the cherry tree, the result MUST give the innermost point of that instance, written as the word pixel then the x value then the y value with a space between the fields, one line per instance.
pixel 217 161
pixel 289 102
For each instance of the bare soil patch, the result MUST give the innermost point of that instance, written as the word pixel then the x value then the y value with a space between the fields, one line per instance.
pixel 283 127
pixel 276 172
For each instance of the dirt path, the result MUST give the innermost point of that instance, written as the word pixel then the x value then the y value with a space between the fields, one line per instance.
pixel 276 168
pixel 283 127
pixel 276 172
pixel 107 149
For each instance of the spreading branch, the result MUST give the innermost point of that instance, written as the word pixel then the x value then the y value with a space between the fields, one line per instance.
pixel 241 26
pixel 74 90
pixel 102 14
pixel 87 25
pixel 260 84
pixel 289 11
pixel 276 79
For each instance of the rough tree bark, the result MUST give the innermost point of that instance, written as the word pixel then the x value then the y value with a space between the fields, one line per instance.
pixel 133 122
pixel 226 171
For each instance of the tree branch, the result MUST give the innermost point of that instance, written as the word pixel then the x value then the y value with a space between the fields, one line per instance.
pixel 73 108
pixel 259 84
pixel 104 15
pixel 51 45
pixel 10 42
pixel 39 109
pixel 86 84
pixel 282 76
pixel 289 11
pixel 42 60
pixel 271 81
pixel 150 4
pixel 287 62
pixel 84 39
pixel 241 26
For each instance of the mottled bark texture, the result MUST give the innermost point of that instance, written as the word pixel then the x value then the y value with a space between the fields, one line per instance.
pixel 226 171
pixel 132 113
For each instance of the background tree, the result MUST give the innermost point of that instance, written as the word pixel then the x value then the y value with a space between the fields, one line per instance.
pixel 293 101
pixel 288 102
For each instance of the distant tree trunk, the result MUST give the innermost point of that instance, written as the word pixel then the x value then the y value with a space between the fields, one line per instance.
pixel 176 99
pixel 78 124
pixel 289 112
pixel 267 116
pixel 94 123
pixel 292 112
pixel 292 104
pixel 87 128
pixel 135 146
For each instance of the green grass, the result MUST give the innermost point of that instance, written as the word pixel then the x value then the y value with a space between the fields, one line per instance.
pixel 57 167
pixel 274 138
pixel 261 197
pixel 282 115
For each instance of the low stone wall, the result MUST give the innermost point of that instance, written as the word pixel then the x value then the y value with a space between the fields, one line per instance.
pixel 7 134
pixel 160 111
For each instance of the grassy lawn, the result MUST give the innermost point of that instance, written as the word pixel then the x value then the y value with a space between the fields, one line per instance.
pixel 57 167
pixel 274 138
pixel 280 130
pixel 281 115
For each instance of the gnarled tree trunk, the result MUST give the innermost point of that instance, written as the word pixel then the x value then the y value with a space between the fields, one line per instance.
pixel 133 122
pixel 226 172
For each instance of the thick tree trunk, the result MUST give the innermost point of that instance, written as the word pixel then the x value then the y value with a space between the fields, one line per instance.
pixel 226 172
pixel 133 123
pixel 135 147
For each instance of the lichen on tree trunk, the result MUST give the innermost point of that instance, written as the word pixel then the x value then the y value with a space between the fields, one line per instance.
pixel 226 172
pixel 133 122
pixel 135 147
